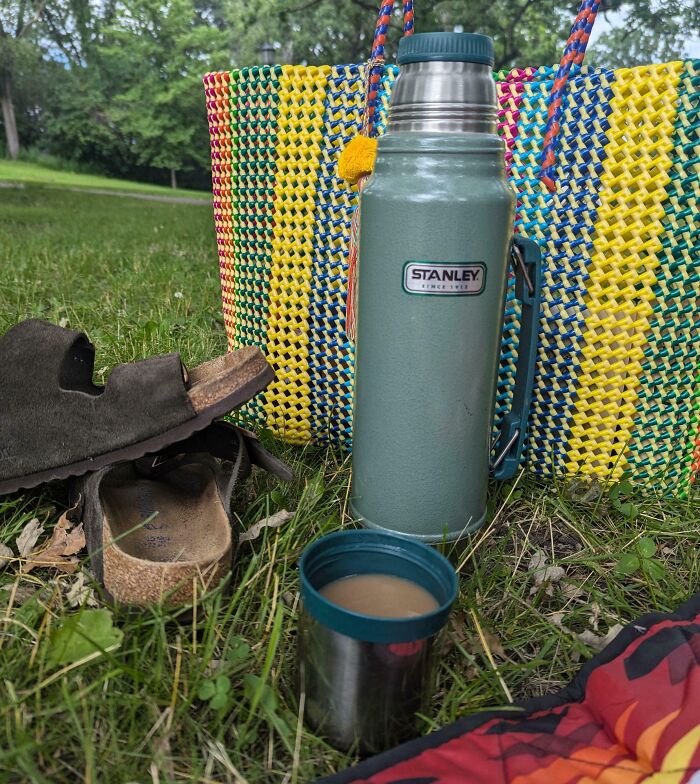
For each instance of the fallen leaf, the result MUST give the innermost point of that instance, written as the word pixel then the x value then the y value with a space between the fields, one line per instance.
pixel 273 521
pixel 587 637
pixel 556 620
pixel 66 540
pixel 494 644
pixel 6 555
pixel 594 616
pixel 28 538
pixel 79 594
pixel 583 490
pixel 212 667
pixel 23 592
pixel 596 641
pixel 458 628
pixel 543 574
pixel 570 590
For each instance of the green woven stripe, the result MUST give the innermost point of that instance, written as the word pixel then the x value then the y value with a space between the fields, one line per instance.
pixel 691 472
pixel 255 129
pixel 225 210
pixel 662 442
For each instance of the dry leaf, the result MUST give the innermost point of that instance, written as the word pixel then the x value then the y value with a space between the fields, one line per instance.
pixel 28 538
pixel 79 594
pixel 274 521
pixel 66 540
pixel 6 555
pixel 583 490
pixel 570 590
pixel 461 634
pixel 588 637
pixel 494 643
pixel 594 618
pixel 544 575
pixel 596 641
pixel 458 627
pixel 23 592
pixel 556 620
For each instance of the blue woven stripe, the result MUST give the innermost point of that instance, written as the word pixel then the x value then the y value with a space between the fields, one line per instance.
pixel 563 224
pixel 331 354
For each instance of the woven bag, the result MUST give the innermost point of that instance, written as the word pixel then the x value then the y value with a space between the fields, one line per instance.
pixel 617 380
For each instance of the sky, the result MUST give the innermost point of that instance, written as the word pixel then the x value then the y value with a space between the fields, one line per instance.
pixel 615 19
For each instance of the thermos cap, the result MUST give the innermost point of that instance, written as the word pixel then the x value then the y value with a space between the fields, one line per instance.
pixel 446 47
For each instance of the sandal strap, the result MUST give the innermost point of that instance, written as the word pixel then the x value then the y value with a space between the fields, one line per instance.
pixel 221 440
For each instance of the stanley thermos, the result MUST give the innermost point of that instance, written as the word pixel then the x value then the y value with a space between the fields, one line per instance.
pixel 436 241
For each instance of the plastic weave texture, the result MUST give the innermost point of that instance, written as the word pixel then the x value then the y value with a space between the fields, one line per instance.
pixel 617 384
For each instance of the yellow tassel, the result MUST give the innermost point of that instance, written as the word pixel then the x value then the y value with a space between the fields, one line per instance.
pixel 357 159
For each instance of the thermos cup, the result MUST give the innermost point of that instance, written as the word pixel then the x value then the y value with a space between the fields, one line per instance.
pixel 436 237
pixel 364 678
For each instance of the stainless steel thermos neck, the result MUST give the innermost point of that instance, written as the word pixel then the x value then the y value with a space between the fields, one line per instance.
pixel 443 97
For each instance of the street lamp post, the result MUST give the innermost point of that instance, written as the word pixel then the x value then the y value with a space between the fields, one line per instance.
pixel 267 53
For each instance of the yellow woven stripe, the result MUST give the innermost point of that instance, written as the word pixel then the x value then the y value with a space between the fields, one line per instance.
pixel 301 98
pixel 622 270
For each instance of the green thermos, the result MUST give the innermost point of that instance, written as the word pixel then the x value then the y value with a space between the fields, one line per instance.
pixel 436 238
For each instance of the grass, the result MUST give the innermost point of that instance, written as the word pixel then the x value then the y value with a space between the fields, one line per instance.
pixel 35 173
pixel 141 279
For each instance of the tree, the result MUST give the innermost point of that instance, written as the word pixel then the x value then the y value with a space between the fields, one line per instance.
pixel 323 31
pixel 156 54
pixel 16 23
pixel 117 83
pixel 645 32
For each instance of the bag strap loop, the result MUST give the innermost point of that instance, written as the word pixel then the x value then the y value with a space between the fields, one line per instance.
pixel 380 31
pixel 573 55
pixel 376 62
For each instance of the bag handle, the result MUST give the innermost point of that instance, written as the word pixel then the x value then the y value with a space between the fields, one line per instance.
pixel 526 258
pixel 573 55
pixel 376 61
pixel 375 70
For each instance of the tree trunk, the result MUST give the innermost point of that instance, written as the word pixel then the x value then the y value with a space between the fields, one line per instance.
pixel 8 116
pixel 173 178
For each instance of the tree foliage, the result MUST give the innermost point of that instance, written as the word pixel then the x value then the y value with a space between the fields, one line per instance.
pixel 646 31
pixel 117 83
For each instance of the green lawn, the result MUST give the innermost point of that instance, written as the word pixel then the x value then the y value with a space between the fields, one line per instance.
pixel 27 172
pixel 141 278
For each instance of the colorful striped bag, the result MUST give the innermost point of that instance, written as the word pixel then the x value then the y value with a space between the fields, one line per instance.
pixel 618 377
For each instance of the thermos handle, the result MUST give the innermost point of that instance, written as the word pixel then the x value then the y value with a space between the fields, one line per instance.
pixel 527 261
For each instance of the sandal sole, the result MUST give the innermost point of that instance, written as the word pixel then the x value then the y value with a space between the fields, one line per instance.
pixel 145 447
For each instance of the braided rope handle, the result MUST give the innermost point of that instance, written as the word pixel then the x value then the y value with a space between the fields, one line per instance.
pixel 374 72
pixel 573 55
pixel 377 57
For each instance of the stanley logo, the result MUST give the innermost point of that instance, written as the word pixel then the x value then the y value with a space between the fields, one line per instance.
pixel 427 277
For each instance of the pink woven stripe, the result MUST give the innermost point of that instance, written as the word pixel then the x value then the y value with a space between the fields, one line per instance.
pixel 510 91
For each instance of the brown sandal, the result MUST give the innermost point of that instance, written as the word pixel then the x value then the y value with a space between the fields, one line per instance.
pixel 55 422
pixel 158 528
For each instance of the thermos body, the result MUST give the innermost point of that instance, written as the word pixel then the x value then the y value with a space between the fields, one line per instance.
pixel 435 232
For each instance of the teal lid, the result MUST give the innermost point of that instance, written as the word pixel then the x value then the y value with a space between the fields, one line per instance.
pixel 351 552
pixel 452 47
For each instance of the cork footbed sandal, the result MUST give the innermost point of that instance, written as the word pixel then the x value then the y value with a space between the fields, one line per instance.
pixel 55 422
pixel 158 529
